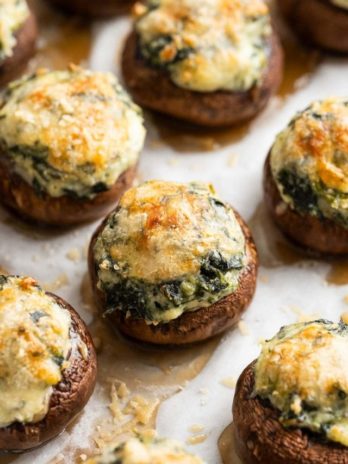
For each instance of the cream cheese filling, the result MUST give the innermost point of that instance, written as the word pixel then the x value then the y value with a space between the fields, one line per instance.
pixel 34 345
pixel 207 45
pixel 171 248
pixel 313 148
pixel 13 14
pixel 302 372
pixel 341 3
pixel 137 451
pixel 70 132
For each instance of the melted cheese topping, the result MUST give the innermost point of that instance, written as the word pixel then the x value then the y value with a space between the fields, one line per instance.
pixel 303 372
pixel 162 233
pixel 315 146
pixel 206 45
pixel 34 345
pixel 340 3
pixel 135 451
pixel 13 14
pixel 72 131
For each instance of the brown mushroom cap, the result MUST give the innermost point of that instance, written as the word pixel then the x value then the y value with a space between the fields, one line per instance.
pixel 261 439
pixel 20 197
pixel 320 22
pixel 190 327
pixel 68 398
pixel 214 109
pixel 320 235
pixel 12 66
pixel 92 8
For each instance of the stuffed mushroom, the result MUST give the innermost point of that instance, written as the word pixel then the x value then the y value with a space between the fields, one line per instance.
pixel 215 63
pixel 93 9
pixel 47 364
pixel 17 38
pixel 323 23
pixel 69 145
pixel 291 404
pixel 173 264
pixel 306 178
pixel 146 451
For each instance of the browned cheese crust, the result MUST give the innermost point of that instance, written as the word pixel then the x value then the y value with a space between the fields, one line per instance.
pixel 319 22
pixel 153 88
pixel 190 327
pixel 92 8
pixel 12 66
pixel 320 235
pixel 21 197
pixel 261 439
pixel 68 398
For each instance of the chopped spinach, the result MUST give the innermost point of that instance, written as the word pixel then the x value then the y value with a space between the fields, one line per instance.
pixel 58 360
pixel 37 315
pixel 300 190
pixel 152 52
pixel 144 300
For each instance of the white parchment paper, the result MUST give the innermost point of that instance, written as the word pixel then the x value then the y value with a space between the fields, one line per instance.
pixel 284 292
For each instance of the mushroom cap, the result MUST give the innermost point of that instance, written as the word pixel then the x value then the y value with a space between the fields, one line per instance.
pixel 21 198
pixel 12 66
pixel 319 22
pixel 190 327
pixel 68 398
pixel 322 235
pixel 93 9
pixel 220 108
pixel 260 438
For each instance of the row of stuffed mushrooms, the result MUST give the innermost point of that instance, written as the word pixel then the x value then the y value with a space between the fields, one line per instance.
pixel 70 142
pixel 172 264
pixel 215 63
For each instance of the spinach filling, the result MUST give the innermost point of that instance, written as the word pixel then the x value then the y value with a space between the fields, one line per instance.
pixel 39 173
pixel 152 51
pixel 150 301
pixel 312 198
pixel 301 406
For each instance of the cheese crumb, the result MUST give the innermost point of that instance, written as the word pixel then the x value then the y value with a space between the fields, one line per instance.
pixel 196 428
pixel 243 328
pixel 232 160
pixel 74 255
pixel 229 382
pixel 197 439
pixel 61 281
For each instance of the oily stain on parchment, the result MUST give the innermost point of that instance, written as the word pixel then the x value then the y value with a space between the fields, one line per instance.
pixel 276 251
pixel 226 446
pixel 338 273
pixel 273 248
pixel 187 138
pixel 155 374
pixel 62 39
pixel 299 65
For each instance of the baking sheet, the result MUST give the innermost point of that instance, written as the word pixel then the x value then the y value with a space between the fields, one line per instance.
pixel 185 394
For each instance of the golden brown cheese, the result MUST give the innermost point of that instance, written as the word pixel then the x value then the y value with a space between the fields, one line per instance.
pixel 340 3
pixel 303 372
pixel 169 228
pixel 169 248
pixel 317 142
pixel 136 451
pixel 206 45
pixel 34 344
pixel 70 130
pixel 309 161
pixel 13 14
